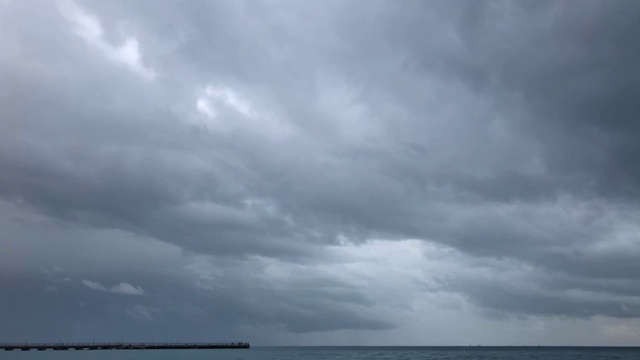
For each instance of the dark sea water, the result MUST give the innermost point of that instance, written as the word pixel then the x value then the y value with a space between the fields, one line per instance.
pixel 342 353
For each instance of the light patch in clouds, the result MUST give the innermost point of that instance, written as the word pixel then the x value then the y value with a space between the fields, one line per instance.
pixel 228 110
pixel 88 27
pixel 222 106
pixel 225 96
pixel 205 107
pixel 121 288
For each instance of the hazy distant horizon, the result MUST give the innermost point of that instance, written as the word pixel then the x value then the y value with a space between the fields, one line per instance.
pixel 353 353
pixel 320 172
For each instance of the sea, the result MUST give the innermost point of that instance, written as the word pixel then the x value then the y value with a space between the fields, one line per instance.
pixel 342 353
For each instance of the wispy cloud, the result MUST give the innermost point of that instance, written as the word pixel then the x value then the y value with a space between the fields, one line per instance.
pixel 127 289
pixel 139 312
pixel 121 288
pixel 93 285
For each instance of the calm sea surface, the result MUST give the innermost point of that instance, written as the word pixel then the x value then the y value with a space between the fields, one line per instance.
pixel 341 353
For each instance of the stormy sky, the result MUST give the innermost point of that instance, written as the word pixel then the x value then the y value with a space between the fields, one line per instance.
pixel 320 172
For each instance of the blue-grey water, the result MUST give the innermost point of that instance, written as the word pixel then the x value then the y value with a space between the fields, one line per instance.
pixel 341 353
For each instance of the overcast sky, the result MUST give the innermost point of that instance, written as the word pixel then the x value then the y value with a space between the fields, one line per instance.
pixel 320 172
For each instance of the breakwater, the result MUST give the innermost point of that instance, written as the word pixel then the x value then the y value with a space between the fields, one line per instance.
pixel 120 346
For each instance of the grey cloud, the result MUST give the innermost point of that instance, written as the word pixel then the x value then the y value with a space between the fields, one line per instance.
pixel 181 289
pixel 502 130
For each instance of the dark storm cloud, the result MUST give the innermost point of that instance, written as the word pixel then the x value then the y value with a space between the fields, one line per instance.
pixel 504 130
pixel 571 64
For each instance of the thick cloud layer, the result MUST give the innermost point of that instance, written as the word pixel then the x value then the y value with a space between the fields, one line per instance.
pixel 320 172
